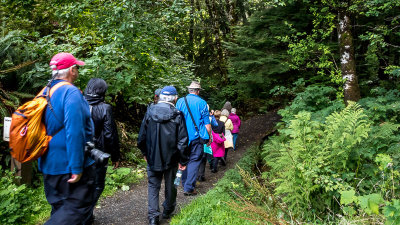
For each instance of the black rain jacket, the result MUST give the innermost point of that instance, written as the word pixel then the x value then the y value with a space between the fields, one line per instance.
pixel 163 137
pixel 106 134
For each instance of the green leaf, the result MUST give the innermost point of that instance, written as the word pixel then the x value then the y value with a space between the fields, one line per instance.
pixel 347 197
pixel 370 203
pixel 349 210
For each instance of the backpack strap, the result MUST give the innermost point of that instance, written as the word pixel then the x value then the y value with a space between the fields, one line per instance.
pixel 48 95
pixel 191 116
pixel 55 87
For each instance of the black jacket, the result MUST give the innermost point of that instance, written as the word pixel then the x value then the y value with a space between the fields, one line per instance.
pixel 163 137
pixel 220 129
pixel 106 134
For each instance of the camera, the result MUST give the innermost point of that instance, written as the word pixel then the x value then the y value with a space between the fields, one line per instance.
pixel 99 156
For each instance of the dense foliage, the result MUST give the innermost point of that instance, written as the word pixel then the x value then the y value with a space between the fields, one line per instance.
pixel 330 159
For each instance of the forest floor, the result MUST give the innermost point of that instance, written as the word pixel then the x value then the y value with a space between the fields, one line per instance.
pixel 130 207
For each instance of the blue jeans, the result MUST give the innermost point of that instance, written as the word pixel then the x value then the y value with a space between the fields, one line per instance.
pixel 190 174
pixel 235 136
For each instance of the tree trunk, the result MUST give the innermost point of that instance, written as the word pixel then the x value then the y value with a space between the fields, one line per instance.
pixel 242 10
pixel 347 58
pixel 191 32
pixel 217 45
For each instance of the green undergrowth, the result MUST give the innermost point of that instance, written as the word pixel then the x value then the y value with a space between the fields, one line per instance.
pixel 333 163
pixel 122 178
pixel 215 207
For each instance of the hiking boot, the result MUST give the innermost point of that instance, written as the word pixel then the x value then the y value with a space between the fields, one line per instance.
pixel 222 162
pixel 194 192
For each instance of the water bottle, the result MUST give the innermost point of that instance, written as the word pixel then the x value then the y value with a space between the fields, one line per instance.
pixel 178 177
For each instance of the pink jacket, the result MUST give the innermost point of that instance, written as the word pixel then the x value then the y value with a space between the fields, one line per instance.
pixel 217 145
pixel 236 123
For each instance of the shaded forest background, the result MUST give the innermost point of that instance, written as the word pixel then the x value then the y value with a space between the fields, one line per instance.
pixel 254 53
pixel 333 159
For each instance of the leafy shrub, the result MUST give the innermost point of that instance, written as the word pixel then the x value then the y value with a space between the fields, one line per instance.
pixel 121 178
pixel 319 100
pixel 319 158
pixel 384 107
pixel 15 200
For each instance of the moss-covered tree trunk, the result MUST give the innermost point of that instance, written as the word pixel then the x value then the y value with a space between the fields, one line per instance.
pixel 347 58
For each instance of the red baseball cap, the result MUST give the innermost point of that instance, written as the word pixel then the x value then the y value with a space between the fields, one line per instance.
pixel 64 60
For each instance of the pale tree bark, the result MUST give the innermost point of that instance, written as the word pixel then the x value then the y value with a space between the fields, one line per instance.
pixel 347 58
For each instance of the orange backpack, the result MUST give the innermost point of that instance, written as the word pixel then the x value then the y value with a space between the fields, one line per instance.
pixel 28 136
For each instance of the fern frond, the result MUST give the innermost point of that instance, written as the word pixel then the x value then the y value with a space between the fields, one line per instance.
pixel 22 95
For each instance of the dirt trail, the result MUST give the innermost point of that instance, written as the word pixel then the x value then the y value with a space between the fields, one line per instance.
pixel 130 207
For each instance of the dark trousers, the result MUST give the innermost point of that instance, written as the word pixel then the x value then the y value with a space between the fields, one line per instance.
pixel 215 163
pixel 99 182
pixel 226 153
pixel 154 179
pixel 202 167
pixel 190 174
pixel 70 203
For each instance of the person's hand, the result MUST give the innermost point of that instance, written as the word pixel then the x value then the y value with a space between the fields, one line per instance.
pixel 74 178
pixel 209 142
pixel 145 159
pixel 115 164
pixel 182 167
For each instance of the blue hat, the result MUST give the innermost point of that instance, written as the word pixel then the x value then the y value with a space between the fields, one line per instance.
pixel 157 92
pixel 169 90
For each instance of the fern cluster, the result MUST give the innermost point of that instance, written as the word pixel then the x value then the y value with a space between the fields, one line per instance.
pixel 316 157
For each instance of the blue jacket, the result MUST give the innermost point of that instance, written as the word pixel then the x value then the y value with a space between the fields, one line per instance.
pixel 65 154
pixel 200 113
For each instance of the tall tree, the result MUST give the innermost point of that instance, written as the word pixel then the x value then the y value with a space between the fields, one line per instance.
pixel 347 57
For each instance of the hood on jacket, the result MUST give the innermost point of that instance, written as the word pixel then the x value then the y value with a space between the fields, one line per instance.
pixel 162 111
pixel 95 91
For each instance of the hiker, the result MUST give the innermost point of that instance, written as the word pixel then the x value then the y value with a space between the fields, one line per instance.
pixel 217 146
pixel 198 126
pixel 228 132
pixel 163 141
pixel 227 106
pixel 105 132
pixel 68 174
pixel 156 95
pixel 236 126
pixel 206 156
